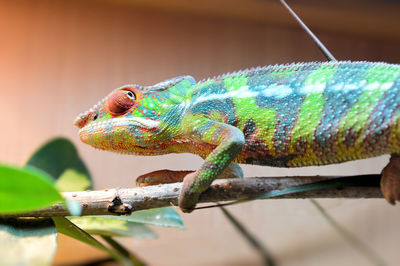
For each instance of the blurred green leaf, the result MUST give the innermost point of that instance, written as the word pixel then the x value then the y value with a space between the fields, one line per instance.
pixel 72 180
pixel 27 242
pixel 59 158
pixel 166 217
pixel 64 226
pixel 110 226
pixel 25 190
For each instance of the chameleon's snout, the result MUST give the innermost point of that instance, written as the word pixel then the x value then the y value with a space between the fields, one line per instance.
pixel 86 117
pixel 82 119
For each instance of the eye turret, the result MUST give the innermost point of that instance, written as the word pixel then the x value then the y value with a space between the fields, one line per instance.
pixel 121 101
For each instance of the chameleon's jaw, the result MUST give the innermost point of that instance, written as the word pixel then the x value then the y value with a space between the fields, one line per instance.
pixel 122 135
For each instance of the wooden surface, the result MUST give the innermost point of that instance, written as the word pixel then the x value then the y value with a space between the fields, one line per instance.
pixel 58 58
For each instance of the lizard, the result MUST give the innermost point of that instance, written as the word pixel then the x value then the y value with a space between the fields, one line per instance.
pixel 289 115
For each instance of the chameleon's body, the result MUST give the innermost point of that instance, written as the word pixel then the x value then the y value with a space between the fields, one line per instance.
pixel 286 116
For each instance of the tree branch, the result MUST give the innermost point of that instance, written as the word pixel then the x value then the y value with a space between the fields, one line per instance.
pixel 123 201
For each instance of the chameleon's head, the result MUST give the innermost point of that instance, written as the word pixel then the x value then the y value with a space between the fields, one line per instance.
pixel 133 119
pixel 119 122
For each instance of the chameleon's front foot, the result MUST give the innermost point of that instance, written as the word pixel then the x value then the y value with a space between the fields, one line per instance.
pixel 390 180
pixel 193 185
pixel 189 195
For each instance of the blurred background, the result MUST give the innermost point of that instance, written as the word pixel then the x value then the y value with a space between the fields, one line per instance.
pixel 58 58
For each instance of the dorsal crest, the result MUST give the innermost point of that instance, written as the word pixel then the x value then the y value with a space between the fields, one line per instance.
pixel 164 85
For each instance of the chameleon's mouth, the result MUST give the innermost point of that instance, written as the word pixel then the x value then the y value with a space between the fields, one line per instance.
pixel 127 122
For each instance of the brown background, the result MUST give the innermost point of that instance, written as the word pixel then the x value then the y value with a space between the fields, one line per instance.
pixel 58 58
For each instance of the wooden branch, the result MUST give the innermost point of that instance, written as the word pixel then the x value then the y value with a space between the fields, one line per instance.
pixel 123 201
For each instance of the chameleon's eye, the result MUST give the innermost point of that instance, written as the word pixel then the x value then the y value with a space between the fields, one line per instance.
pixel 121 101
pixel 131 95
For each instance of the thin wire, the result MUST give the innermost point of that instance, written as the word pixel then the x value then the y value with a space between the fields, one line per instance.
pixel 322 47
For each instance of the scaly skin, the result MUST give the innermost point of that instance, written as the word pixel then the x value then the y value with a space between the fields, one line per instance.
pixel 285 116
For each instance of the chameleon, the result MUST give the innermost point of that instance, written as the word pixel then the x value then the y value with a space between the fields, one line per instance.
pixel 289 115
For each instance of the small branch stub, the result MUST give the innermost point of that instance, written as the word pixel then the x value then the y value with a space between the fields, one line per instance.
pixel 118 207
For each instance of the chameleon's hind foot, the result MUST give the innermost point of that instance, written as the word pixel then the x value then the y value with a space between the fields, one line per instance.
pixel 390 180
pixel 161 177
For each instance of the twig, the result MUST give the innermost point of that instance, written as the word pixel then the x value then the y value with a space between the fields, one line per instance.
pixel 123 201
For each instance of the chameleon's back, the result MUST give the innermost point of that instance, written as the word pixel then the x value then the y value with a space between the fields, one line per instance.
pixel 309 114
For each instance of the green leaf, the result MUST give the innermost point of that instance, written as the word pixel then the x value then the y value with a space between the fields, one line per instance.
pixel 25 189
pixel 59 158
pixel 111 226
pixel 64 226
pixel 166 217
pixel 27 242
